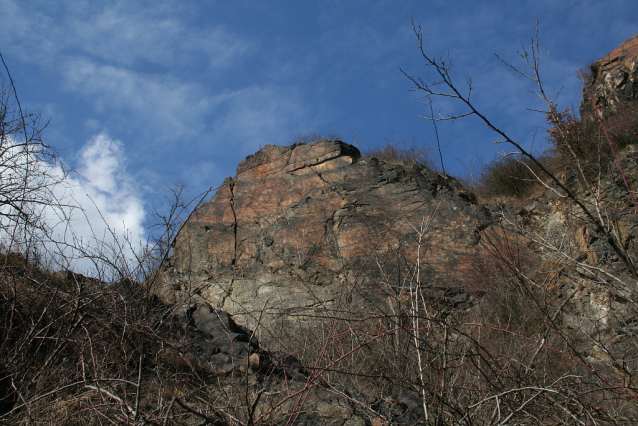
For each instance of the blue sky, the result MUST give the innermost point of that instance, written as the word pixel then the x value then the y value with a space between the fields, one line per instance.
pixel 170 90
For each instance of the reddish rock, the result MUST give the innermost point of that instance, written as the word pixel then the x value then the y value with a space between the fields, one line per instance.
pixel 316 226
pixel 613 80
pixel 629 49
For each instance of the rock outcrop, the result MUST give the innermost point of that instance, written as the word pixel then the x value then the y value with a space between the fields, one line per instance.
pixel 316 226
pixel 613 80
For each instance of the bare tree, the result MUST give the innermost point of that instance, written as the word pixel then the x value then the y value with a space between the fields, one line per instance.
pixel 169 217
pixel 444 87
pixel 31 175
pixel 517 361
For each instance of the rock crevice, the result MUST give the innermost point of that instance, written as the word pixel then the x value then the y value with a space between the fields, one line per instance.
pixel 298 224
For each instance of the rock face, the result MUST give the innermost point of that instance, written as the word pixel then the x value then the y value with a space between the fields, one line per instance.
pixel 613 79
pixel 316 226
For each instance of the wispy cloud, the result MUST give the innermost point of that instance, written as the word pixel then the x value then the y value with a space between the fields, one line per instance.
pixel 163 105
pixel 105 214
pixel 181 83
pixel 135 64
pixel 108 186
pixel 257 115
pixel 124 33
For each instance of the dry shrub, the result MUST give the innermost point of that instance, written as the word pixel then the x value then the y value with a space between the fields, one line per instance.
pixel 341 348
pixel 623 124
pixel 81 351
pixel 522 336
pixel 511 176
pixel 403 153
pixel 508 359
pixel 304 139
pixel 512 313
pixel 575 145
pixel 585 142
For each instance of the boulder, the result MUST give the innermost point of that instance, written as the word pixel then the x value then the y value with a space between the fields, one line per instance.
pixel 212 337
pixel 316 226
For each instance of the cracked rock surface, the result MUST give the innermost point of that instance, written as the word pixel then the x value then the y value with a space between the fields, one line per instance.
pixel 613 80
pixel 316 226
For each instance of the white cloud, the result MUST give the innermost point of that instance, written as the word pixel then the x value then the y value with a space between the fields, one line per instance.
pixel 123 33
pixel 257 116
pixel 166 105
pixel 111 213
pixel 108 187
pixel 131 62
pixel 87 222
pixel 97 212
pixel 127 35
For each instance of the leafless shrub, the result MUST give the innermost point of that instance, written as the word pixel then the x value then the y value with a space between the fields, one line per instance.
pixel 304 139
pixel 511 176
pixel 519 346
pixel 507 360
pixel 583 143
pixel 401 152
pixel 81 351
pixel 31 174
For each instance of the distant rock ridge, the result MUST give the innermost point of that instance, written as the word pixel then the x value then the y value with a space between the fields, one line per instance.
pixel 313 226
pixel 613 80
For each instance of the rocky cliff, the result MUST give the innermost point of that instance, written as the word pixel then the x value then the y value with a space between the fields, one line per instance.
pixel 309 226
pixel 613 79
pixel 377 259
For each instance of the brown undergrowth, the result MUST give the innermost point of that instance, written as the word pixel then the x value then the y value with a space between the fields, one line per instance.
pixel 514 357
pixel 75 350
